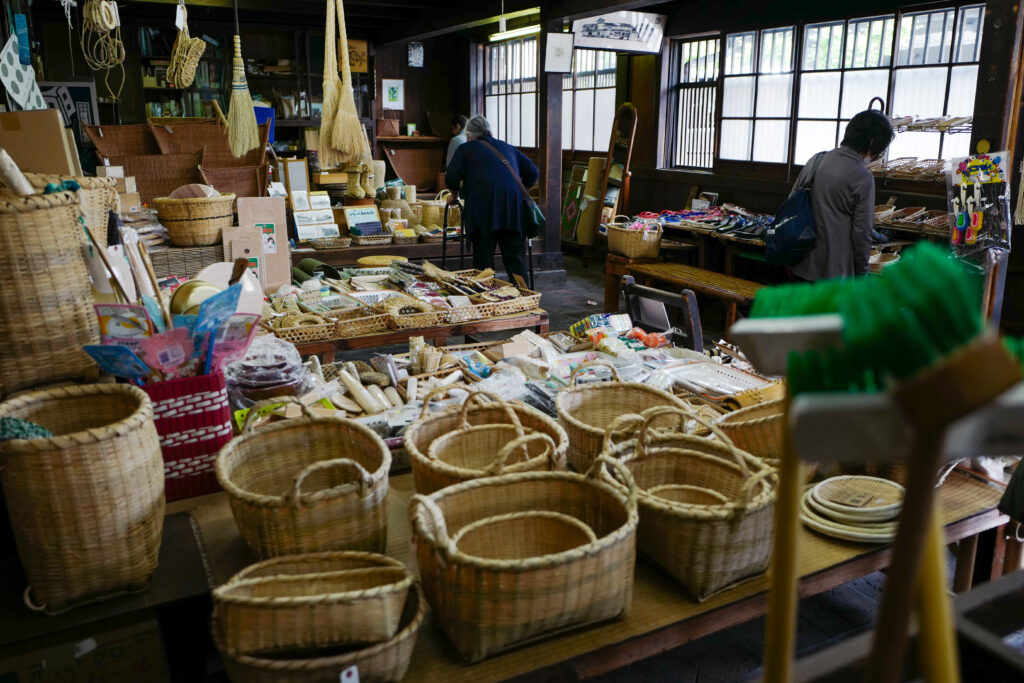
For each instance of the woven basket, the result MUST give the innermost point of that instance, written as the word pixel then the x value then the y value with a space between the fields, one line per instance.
pixel 586 411
pixel 757 430
pixel 211 138
pixel 196 222
pixel 705 519
pixel 331 243
pixel 384 662
pixel 158 175
pixel 358 322
pixel 634 243
pixel 122 141
pixel 372 240
pixel 86 505
pixel 507 594
pixel 241 181
pixel 475 411
pixel 307 484
pixel 96 199
pixel 312 601
pixel 46 301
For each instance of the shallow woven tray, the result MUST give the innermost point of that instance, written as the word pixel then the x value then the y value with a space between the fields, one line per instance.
pixel 331 243
pixel 371 240
pixel 884 496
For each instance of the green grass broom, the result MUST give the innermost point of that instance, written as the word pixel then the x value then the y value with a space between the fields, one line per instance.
pixel 347 138
pixel 243 135
pixel 329 157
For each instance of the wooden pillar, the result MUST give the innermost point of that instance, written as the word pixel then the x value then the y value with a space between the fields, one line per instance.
pixel 550 151
pixel 997 103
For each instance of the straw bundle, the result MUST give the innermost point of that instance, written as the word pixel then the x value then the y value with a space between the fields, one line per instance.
pixel 347 138
pixel 329 156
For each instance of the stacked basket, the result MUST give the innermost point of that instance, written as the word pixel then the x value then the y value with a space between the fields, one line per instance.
pixel 196 221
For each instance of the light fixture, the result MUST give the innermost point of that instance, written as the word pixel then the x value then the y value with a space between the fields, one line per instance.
pixel 515 33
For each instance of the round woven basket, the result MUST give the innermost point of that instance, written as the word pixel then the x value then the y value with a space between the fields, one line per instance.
pixel 586 411
pixel 307 484
pixel 480 408
pixel 97 197
pixel 196 222
pixel 757 429
pixel 86 505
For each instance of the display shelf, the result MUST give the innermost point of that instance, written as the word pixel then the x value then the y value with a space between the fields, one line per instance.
pixel 297 123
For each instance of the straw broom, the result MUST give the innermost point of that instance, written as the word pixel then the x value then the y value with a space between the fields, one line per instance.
pixel 347 138
pixel 329 157
pixel 243 134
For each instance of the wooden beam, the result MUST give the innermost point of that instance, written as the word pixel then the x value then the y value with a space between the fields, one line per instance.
pixel 997 97
pixel 481 14
pixel 580 9
pixel 550 144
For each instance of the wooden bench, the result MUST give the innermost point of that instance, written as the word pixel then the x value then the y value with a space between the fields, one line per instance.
pixel 617 265
pixel 730 290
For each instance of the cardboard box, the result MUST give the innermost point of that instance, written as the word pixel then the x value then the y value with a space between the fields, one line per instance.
pixel 126 185
pixel 331 178
pixel 109 171
pixel 36 141
pixel 130 203
pixel 314 217
pixel 267 214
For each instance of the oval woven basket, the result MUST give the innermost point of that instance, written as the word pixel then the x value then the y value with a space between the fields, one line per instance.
pixel 312 601
pixel 757 429
pixel 195 222
pixel 705 519
pixel 86 505
pixel 429 475
pixel 97 197
pixel 307 484
pixel 486 605
pixel 384 662
pixel 586 411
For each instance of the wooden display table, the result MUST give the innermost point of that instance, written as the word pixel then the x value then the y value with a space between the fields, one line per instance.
pixel 662 616
pixel 730 290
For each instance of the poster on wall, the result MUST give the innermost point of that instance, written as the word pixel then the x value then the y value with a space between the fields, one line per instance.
pixel 358 56
pixel 394 93
pixel 76 102
pixel 416 55
pixel 621 32
pixel 558 54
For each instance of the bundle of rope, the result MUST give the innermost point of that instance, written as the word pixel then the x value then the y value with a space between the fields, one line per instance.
pixel 101 40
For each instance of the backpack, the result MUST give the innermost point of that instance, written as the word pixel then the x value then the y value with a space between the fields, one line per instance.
pixel 792 234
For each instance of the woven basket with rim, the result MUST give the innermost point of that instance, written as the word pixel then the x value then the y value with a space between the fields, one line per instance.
pixel 307 484
pixel 534 569
pixel 46 301
pixel 122 141
pixel 211 138
pixel 312 601
pixel 757 430
pixel 241 181
pixel 705 519
pixel 384 662
pixel 96 199
pixel 158 175
pixel 586 411
pixel 198 221
pixel 432 425
pixel 634 243
pixel 86 505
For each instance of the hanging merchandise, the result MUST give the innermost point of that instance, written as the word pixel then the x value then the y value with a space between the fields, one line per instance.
pixel 328 156
pixel 979 200
pixel 186 53
pixel 101 40
pixel 243 134
pixel 347 138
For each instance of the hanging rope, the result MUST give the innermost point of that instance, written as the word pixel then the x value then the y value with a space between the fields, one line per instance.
pixel 67 5
pixel 101 41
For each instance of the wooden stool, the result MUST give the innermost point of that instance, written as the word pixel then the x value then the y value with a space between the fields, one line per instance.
pixel 729 290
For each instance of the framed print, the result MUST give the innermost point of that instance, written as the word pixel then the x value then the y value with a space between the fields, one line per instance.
pixel 394 93
pixel 416 55
pixel 558 54
pixel 621 32
pixel 358 56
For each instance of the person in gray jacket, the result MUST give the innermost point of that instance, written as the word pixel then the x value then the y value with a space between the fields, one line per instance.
pixel 843 200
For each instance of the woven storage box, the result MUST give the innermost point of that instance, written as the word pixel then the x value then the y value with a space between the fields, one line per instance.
pixel 122 141
pixel 384 662
pixel 505 593
pixel 193 419
pixel 307 484
pixel 371 240
pixel 634 243
pixel 196 222
pixel 46 301
pixel 312 601
pixel 86 505
pixel 96 199
pixel 465 451
pixel 241 181
pixel 211 138
pixel 358 322
pixel 585 411
pixel 705 519
pixel 757 430
pixel 158 175
pixel 186 261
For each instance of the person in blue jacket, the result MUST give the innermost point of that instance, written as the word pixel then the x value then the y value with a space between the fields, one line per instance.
pixel 495 206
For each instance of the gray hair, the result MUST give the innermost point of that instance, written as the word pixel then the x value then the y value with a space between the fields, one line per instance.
pixel 478 127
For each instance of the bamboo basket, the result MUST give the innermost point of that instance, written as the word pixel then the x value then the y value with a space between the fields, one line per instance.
pixel 241 181
pixel 331 243
pixel 372 240
pixel 308 484
pixel 122 141
pixel 480 408
pixel 312 601
pixel 196 222
pixel 634 243
pixel 384 662
pixel 757 430
pixel 704 519
pixel 506 593
pixel 158 175
pixel 358 322
pixel 586 411
pixel 46 301
pixel 86 505
pixel 96 199
pixel 211 138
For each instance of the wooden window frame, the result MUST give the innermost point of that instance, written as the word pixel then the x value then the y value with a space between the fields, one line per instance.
pixel 506 84
pixel 572 151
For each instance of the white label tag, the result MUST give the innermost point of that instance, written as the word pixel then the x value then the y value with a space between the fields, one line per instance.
pixel 179 18
pixel 350 675
pixel 647 233
pixel 117 14
pixel 84 647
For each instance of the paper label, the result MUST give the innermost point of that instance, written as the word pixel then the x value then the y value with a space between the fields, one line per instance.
pixel 856 499
pixel 179 18
pixel 269 242
pixel 350 675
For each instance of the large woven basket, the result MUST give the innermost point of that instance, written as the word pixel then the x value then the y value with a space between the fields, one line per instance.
pixel 757 430
pixel 198 221
pixel 158 175
pixel 96 199
pixel 705 519
pixel 211 138
pixel 312 601
pixel 122 141
pixel 307 484
pixel 506 593
pixel 475 411
pixel 46 301
pixel 241 181
pixel 585 411
pixel 384 662
pixel 86 505
pixel 634 243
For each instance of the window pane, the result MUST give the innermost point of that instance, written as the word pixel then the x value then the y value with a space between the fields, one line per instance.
pixel 696 140
pixel 813 137
pixel 735 143
pixel 776 50
pixel 970 34
pixel 859 87
pixel 819 95
pixel 698 61
pixel 956 145
pixel 584 119
pixel 494 110
pixel 567 120
pixel 913 144
pixel 771 141
pixel 962 84
pixel 514 114
pixel 919 92
pixel 822 46
pixel 604 116
pixel 774 95
pixel 738 96
pixel 739 53
pixel 925 38
pixel 529 119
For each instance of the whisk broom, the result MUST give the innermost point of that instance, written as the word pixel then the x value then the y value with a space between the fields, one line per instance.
pixel 329 156
pixel 243 134
pixel 347 138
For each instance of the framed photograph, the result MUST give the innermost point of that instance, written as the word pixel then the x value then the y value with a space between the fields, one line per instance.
pixel 621 32
pixel 558 55
pixel 358 56
pixel 416 55
pixel 394 93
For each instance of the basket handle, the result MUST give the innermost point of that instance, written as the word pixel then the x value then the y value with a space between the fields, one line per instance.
pixel 651 414
pixel 365 480
pixel 435 392
pixel 445 545
pixel 751 483
pixel 500 462
pixel 476 397
pixel 624 474
pixel 593 364
pixel 250 417
pixel 621 425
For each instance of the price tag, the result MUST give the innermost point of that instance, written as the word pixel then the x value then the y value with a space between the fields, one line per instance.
pixel 350 675
pixel 116 12
pixel 179 18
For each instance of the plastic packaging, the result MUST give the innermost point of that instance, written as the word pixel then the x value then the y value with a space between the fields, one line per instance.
pixel 505 382
pixel 272 367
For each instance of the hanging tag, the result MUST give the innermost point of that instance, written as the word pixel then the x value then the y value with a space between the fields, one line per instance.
pixel 179 17
pixel 117 14
pixel 350 675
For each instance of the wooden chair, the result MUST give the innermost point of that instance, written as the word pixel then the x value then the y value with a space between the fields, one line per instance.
pixel 685 302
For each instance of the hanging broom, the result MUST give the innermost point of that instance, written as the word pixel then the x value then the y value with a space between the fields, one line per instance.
pixel 329 157
pixel 347 138
pixel 243 134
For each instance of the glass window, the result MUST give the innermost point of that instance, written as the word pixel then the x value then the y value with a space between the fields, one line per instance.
pixel 512 73
pixel 697 85
pixel 589 93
